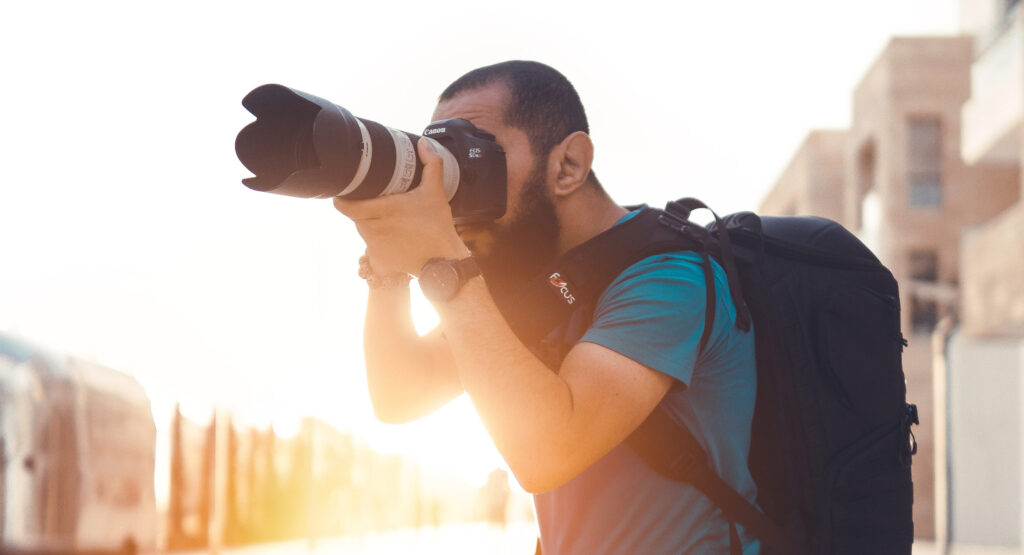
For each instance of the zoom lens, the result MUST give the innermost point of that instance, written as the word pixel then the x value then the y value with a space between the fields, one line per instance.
pixel 304 146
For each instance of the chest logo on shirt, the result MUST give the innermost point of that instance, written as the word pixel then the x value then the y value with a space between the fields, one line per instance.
pixel 562 286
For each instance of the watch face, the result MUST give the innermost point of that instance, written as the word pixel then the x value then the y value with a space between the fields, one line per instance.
pixel 439 281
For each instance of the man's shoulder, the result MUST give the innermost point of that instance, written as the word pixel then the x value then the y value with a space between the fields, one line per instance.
pixel 653 313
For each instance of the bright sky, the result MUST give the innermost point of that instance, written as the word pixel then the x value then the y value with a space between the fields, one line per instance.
pixel 127 236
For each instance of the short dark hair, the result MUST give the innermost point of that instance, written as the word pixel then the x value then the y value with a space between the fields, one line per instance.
pixel 542 102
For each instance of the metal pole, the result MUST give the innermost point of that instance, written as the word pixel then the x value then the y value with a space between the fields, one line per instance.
pixel 3 481
pixel 940 416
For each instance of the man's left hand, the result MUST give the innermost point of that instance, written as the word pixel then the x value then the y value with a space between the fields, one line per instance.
pixel 403 231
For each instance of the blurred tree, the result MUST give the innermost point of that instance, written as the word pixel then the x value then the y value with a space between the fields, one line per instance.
pixel 254 513
pixel 271 506
pixel 175 510
pixel 206 481
pixel 493 497
pixel 232 526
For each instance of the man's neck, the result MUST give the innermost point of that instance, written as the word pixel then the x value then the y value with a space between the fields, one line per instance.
pixel 585 217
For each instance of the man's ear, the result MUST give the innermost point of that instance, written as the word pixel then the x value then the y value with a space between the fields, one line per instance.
pixel 569 164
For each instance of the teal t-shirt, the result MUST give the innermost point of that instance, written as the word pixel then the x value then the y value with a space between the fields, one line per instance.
pixel 653 313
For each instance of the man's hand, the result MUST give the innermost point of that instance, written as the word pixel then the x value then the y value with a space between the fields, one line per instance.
pixel 403 231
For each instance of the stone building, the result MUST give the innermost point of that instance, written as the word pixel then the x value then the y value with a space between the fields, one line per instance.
pixel 812 183
pixel 993 299
pixel 981 355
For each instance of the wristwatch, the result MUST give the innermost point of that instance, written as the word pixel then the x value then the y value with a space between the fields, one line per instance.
pixel 441 279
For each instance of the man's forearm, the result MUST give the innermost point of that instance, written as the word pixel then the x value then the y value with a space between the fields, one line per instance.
pixel 408 376
pixel 527 408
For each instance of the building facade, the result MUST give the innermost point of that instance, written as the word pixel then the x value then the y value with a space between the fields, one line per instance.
pixel 983 384
pixel 812 183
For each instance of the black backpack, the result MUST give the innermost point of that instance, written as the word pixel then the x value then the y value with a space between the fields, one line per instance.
pixel 831 441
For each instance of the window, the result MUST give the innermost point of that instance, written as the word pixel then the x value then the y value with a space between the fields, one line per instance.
pixel 1009 6
pixel 866 168
pixel 865 179
pixel 924 314
pixel 924 161
pixel 924 265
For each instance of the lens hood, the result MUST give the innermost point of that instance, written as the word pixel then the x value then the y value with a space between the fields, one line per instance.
pixel 300 145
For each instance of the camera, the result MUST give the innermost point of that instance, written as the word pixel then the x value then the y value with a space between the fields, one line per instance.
pixel 304 146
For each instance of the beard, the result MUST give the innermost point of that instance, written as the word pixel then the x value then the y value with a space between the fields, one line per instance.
pixel 525 246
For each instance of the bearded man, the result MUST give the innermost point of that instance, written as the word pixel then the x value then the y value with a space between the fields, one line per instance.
pixel 560 427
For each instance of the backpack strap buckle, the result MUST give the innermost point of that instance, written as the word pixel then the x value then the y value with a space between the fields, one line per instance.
pixel 677 223
pixel 912 414
pixel 677 216
pixel 909 449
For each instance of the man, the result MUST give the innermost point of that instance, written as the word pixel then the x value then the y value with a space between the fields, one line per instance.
pixel 561 432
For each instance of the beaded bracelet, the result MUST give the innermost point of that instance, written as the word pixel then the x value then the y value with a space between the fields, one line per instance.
pixel 380 282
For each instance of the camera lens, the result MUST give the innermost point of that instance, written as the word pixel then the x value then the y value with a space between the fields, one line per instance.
pixel 304 146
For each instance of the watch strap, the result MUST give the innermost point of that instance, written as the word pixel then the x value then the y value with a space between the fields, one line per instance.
pixel 466 268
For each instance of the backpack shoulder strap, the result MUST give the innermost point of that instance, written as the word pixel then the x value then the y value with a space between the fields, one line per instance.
pixel 684 460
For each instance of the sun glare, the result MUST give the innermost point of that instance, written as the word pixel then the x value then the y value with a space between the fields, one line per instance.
pixel 424 317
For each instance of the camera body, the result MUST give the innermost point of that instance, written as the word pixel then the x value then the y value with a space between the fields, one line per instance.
pixel 481 192
pixel 304 146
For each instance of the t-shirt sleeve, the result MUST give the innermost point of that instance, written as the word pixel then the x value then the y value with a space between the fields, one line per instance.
pixel 653 313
